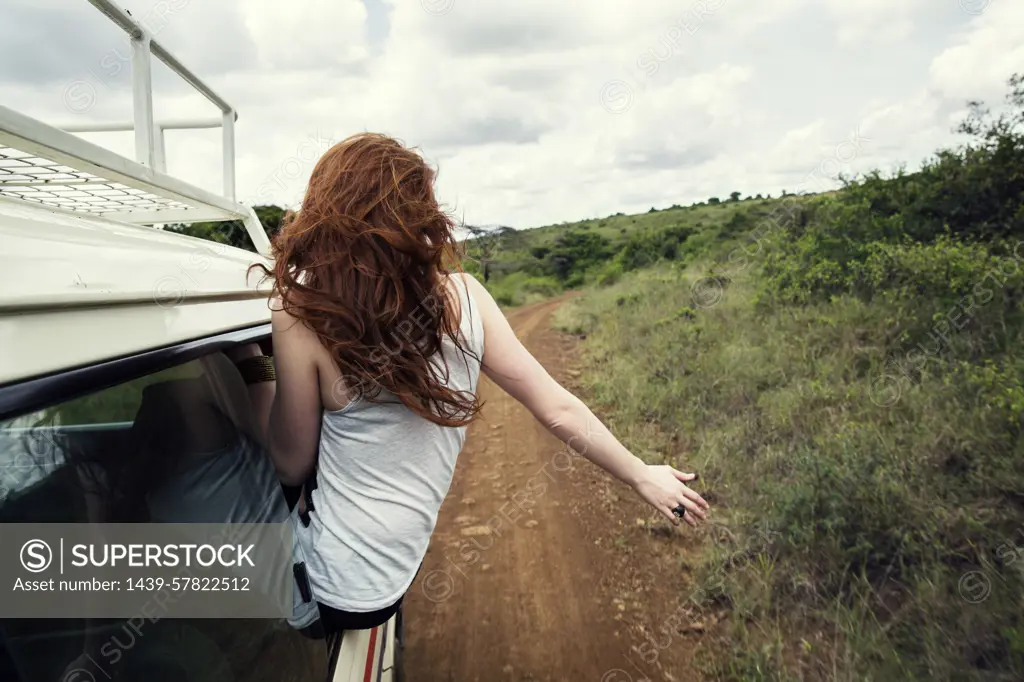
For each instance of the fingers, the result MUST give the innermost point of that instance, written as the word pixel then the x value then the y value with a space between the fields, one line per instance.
pixel 689 518
pixel 685 478
pixel 695 497
pixel 693 508
pixel 669 515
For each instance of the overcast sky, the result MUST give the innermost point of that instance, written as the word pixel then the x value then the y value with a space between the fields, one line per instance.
pixel 537 111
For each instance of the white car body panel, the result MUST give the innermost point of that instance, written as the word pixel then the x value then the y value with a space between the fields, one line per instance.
pixel 76 290
pixel 367 655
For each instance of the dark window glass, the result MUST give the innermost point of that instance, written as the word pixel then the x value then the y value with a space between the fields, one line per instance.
pixel 175 446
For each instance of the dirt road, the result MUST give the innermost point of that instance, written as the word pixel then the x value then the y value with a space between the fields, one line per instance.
pixel 540 567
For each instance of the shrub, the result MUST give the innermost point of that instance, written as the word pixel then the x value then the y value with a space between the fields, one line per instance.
pixel 646 248
pixel 606 274
pixel 574 252
pixel 519 288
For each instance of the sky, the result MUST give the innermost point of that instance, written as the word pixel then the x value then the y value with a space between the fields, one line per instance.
pixel 535 111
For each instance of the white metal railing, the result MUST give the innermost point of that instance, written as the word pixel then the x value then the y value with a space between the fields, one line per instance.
pixel 47 165
pixel 160 146
pixel 148 136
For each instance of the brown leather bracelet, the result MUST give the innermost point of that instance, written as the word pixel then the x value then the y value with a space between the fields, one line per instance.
pixel 257 369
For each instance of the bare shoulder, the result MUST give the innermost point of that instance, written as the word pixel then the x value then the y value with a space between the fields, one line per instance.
pixel 284 321
pixel 292 330
pixel 301 358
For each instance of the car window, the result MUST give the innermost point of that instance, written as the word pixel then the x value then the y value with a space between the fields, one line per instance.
pixel 175 446
pixel 32 445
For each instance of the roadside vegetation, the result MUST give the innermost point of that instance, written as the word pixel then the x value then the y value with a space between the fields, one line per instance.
pixel 849 384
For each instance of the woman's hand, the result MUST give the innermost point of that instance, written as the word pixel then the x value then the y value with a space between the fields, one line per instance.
pixel 241 352
pixel 664 488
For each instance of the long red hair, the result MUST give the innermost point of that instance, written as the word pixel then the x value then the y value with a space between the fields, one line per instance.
pixel 363 264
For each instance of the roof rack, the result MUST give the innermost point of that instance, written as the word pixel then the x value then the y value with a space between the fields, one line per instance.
pixel 47 165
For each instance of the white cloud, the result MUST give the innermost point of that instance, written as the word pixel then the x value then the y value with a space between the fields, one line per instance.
pixel 314 33
pixel 984 55
pixel 874 20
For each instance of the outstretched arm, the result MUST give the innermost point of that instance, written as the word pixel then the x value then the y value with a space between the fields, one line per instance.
pixel 507 362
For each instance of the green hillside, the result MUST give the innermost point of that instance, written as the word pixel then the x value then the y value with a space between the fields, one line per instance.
pixel 527 265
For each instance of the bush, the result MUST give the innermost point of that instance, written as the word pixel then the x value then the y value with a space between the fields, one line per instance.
pixel 739 222
pixel 574 252
pixel 647 248
pixel 606 274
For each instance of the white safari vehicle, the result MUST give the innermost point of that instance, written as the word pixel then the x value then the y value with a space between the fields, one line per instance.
pixel 118 401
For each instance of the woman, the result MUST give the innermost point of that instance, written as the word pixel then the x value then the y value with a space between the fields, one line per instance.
pixel 378 346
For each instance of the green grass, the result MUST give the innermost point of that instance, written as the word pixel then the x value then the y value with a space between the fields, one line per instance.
pixel 853 524
pixel 519 288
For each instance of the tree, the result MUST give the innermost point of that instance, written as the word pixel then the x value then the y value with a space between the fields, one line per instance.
pixel 735 196
pixel 485 244
pixel 714 200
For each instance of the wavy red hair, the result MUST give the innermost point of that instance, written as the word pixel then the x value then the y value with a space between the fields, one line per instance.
pixel 367 255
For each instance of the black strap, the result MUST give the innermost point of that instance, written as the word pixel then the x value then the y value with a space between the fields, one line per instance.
pixel 302 579
pixel 308 489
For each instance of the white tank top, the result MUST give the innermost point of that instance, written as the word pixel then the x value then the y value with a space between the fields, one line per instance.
pixel 382 475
